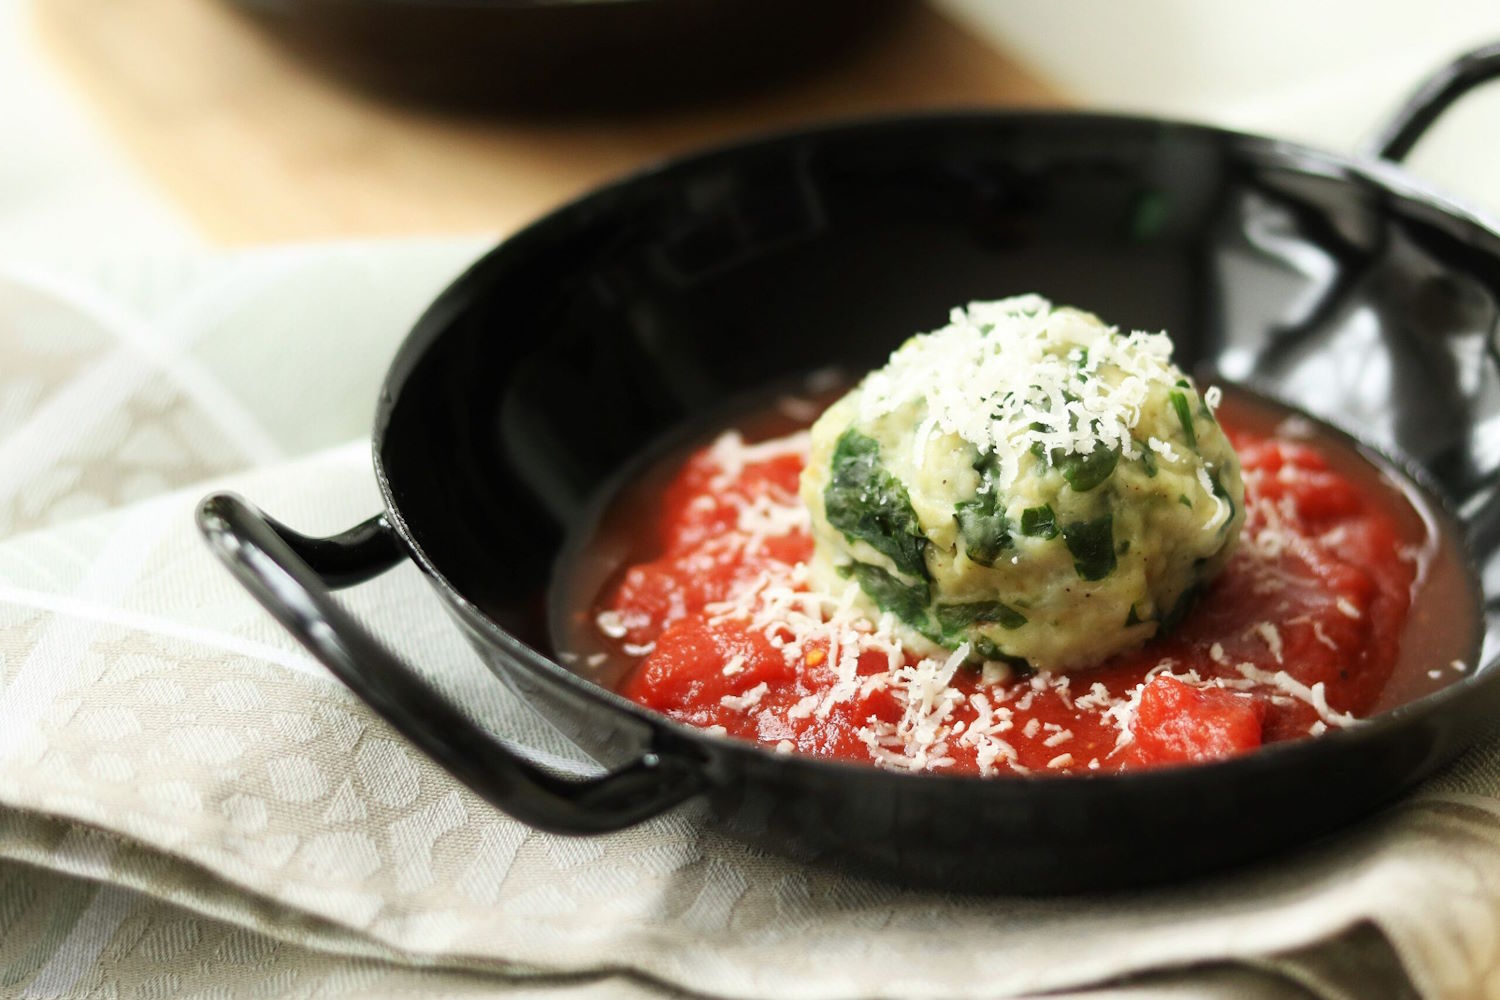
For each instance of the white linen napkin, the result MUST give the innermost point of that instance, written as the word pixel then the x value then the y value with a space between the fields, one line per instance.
pixel 158 731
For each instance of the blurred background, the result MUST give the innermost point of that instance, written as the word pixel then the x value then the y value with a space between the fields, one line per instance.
pixel 169 122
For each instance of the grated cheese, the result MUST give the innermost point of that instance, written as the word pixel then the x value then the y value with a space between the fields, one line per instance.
pixel 1162 448
pixel 1271 637
pixel 612 624
pixel 1314 696
pixel 1009 375
pixel 731 454
pixel 1322 636
pixel 995 672
pixel 746 701
pixel 1222 512
pixel 1098 698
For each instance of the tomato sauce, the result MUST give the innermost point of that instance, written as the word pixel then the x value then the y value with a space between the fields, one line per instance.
pixel 1301 633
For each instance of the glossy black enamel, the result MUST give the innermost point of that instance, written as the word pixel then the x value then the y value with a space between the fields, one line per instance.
pixel 289 573
pixel 1336 285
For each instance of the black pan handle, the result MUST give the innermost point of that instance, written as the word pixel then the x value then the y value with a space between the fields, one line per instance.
pixel 1431 99
pixel 290 574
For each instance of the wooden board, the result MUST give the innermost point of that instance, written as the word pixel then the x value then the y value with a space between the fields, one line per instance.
pixel 256 146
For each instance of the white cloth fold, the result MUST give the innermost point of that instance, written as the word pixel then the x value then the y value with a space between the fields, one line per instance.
pixel 159 731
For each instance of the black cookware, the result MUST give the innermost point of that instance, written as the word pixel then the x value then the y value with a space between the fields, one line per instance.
pixel 1335 283
pixel 575 55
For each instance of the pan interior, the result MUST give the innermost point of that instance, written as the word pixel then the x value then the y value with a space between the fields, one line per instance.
pixel 538 379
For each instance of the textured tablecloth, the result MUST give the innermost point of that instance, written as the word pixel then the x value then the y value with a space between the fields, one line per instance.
pixel 190 807
pixel 160 733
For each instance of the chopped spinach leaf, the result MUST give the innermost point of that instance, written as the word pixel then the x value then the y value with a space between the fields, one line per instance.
pixel 1184 417
pixel 1084 472
pixel 1039 522
pixel 890 594
pixel 1148 460
pixel 868 504
pixel 1092 544
pixel 985 649
pixel 1180 607
pixel 985 531
pixel 956 617
pixel 981 521
pixel 1182 499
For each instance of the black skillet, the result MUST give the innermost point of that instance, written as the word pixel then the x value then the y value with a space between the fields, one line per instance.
pixel 1337 284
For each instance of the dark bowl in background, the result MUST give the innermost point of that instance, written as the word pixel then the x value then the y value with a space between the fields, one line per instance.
pixel 550 55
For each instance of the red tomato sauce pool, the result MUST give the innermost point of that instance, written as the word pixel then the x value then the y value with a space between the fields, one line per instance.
pixel 1301 633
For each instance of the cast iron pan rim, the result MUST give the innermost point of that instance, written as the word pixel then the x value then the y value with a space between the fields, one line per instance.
pixel 1272 759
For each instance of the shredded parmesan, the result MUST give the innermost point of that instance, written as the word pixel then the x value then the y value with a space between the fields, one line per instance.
pixel 1322 636
pixel 1097 699
pixel 1313 696
pixel 983 733
pixel 1272 638
pixel 1222 512
pixel 732 455
pixel 746 701
pixel 612 624
pixel 1162 448
pixel 1009 375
